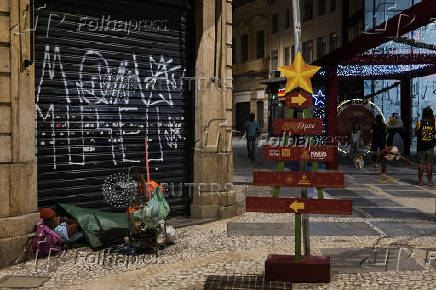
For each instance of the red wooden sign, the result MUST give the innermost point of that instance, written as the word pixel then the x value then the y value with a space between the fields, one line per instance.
pixel 298 126
pixel 299 179
pixel 298 205
pixel 298 100
pixel 295 153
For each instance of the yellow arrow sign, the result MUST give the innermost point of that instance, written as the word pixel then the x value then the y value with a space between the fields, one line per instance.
pixel 298 100
pixel 295 206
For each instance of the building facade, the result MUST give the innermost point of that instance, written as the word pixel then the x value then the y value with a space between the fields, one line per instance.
pixel 250 42
pixel 82 87
pixel 256 76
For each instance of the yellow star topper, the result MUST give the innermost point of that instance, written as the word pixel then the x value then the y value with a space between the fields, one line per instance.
pixel 299 74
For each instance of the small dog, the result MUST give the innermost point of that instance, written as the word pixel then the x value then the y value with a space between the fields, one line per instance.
pixel 358 161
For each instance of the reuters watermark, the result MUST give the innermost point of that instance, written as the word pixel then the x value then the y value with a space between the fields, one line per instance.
pixel 200 189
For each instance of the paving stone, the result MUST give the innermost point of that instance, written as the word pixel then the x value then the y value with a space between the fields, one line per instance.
pixel 407 228
pixel 400 213
pixel 22 282
pixel 259 229
pixel 407 179
pixel 374 202
pixel 410 193
pixel 287 229
pixel 355 214
pixel 395 186
pixel 341 193
pixel 349 193
pixel 342 229
pixel 366 260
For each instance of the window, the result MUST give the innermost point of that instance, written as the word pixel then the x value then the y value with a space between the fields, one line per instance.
pixel 322 7
pixel 274 60
pixel 333 42
pixel 356 5
pixel 288 18
pixel 355 30
pixel 308 51
pixel 244 48
pixel 321 46
pixel 274 23
pixel 260 36
pixel 286 58
pixel 332 5
pixel 233 50
pixel 308 10
pixel 292 52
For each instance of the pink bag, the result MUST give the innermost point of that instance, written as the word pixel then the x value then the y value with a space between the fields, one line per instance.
pixel 44 240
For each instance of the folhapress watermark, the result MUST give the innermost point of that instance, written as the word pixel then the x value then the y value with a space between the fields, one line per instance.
pixel 106 24
pixel 99 259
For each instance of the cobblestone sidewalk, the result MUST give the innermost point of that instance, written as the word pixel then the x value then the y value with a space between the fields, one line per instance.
pixel 205 250
pixel 394 215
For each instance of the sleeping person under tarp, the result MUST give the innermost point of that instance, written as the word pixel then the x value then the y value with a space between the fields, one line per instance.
pixel 67 228
pixel 77 228
pixel 99 229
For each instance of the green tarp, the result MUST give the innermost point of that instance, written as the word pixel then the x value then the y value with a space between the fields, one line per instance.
pixel 99 228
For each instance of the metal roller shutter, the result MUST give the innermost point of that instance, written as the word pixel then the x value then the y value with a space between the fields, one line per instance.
pixel 107 74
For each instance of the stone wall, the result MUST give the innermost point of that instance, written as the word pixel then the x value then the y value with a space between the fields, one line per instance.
pixel 18 197
pixel 213 158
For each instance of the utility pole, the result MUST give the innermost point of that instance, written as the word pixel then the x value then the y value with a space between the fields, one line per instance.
pixel 303 164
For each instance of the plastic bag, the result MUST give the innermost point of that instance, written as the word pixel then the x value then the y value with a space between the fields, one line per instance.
pixel 159 206
pixel 155 210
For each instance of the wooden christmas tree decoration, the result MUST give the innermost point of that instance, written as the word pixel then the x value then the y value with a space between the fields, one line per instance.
pixel 298 268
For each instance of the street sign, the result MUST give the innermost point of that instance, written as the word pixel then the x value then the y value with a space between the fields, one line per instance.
pixel 298 100
pixel 297 153
pixel 299 179
pixel 298 205
pixel 298 126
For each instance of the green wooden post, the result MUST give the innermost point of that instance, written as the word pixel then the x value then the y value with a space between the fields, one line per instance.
pixel 316 169
pixel 305 218
pixel 298 235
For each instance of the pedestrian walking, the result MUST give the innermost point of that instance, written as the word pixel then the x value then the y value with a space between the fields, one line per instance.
pixel 378 131
pixel 395 132
pixel 425 131
pixel 252 130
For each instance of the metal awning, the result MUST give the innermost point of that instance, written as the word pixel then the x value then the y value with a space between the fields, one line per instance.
pixel 418 15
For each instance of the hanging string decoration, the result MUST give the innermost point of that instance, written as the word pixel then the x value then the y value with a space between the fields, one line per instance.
pixel 319 112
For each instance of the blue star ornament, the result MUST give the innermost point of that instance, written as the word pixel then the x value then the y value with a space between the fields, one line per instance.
pixel 319 98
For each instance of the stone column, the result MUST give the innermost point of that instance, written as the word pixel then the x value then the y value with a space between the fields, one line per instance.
pixel 406 112
pixel 332 111
pixel 18 196
pixel 213 166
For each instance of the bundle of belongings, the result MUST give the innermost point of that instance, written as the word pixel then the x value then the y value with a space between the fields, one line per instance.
pixel 99 229
pixel 147 219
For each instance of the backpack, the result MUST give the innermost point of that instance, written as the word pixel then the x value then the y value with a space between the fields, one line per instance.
pixel 44 240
